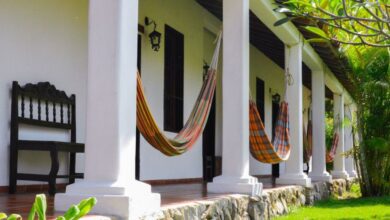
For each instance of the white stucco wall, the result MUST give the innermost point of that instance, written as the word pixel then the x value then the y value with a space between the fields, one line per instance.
pixel 41 40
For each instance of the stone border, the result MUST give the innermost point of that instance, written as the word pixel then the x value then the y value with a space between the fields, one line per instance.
pixel 273 202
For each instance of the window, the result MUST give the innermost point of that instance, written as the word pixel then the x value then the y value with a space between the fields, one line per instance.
pixel 260 97
pixel 173 80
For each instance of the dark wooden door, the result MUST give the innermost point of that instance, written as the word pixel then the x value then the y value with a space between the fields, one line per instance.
pixel 275 112
pixel 137 140
pixel 209 146
pixel 173 80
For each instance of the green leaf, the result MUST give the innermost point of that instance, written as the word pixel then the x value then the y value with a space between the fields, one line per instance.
pixel 14 217
pixel 379 144
pixel 282 10
pixel 298 2
pixel 41 206
pixel 317 31
pixel 317 40
pixel 85 206
pixel 2 216
pixel 72 212
pixel 31 215
pixel 282 21
pixel 60 218
pixel 340 12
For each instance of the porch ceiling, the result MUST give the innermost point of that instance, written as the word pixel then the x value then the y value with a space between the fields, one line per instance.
pixel 267 42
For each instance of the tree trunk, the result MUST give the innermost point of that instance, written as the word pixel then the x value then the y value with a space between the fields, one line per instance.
pixel 365 180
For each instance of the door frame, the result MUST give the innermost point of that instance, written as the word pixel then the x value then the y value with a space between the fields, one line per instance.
pixel 137 135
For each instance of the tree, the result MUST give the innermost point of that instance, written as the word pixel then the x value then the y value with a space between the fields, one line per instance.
pixel 351 22
pixel 361 30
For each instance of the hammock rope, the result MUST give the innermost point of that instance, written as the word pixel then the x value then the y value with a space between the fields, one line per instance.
pixel 261 146
pixel 196 122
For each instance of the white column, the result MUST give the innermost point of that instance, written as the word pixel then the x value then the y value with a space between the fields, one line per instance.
pixel 111 116
pixel 339 160
pixel 294 165
pixel 348 142
pixel 318 172
pixel 235 176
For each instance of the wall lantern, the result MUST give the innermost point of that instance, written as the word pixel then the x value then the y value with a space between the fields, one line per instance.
pixel 205 69
pixel 154 36
pixel 276 98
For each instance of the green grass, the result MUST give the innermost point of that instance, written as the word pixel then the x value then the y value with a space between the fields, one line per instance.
pixel 348 209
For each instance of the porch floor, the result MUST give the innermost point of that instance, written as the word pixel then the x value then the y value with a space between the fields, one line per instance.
pixel 171 194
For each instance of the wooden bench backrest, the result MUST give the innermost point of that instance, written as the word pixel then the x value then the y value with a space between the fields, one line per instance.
pixel 42 105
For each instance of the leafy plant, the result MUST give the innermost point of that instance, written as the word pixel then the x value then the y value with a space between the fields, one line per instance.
pixel 38 210
pixel 11 217
pixel 360 29
pixel 348 22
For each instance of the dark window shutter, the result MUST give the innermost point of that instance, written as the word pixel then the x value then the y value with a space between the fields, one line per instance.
pixel 173 80
pixel 260 97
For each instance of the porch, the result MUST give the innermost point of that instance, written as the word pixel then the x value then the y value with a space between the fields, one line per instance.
pixel 171 195
pixel 253 51
pixel 193 200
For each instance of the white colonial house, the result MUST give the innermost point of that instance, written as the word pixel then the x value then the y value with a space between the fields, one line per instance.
pixel 92 48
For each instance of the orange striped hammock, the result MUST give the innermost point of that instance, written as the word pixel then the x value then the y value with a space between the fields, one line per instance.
pixel 307 142
pixel 195 124
pixel 332 153
pixel 308 148
pixel 261 147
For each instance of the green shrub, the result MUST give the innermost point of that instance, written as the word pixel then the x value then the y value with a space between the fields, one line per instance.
pixel 39 208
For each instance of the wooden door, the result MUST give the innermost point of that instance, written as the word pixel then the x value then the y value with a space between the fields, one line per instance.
pixel 275 112
pixel 209 146
pixel 209 138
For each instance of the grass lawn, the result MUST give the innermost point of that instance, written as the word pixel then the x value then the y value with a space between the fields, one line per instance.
pixel 361 208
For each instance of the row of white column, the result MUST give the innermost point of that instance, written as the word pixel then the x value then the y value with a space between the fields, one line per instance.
pixel 111 114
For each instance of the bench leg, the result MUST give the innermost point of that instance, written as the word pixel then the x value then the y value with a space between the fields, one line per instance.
pixel 55 165
pixel 72 167
pixel 13 169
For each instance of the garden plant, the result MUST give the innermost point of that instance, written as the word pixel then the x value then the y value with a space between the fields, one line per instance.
pixel 38 210
pixel 361 31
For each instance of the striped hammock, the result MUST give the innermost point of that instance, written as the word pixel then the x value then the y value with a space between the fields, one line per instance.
pixel 195 124
pixel 332 153
pixel 307 142
pixel 261 148
pixel 308 147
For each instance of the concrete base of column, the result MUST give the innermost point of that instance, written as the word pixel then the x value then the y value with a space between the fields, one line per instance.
pixel 123 201
pixel 324 177
pixel 243 185
pixel 294 179
pixel 352 174
pixel 339 174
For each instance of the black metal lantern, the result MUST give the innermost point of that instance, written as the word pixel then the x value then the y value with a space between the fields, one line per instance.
pixel 276 98
pixel 154 36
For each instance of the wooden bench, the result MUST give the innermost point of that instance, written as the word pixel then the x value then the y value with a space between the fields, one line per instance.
pixel 43 105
